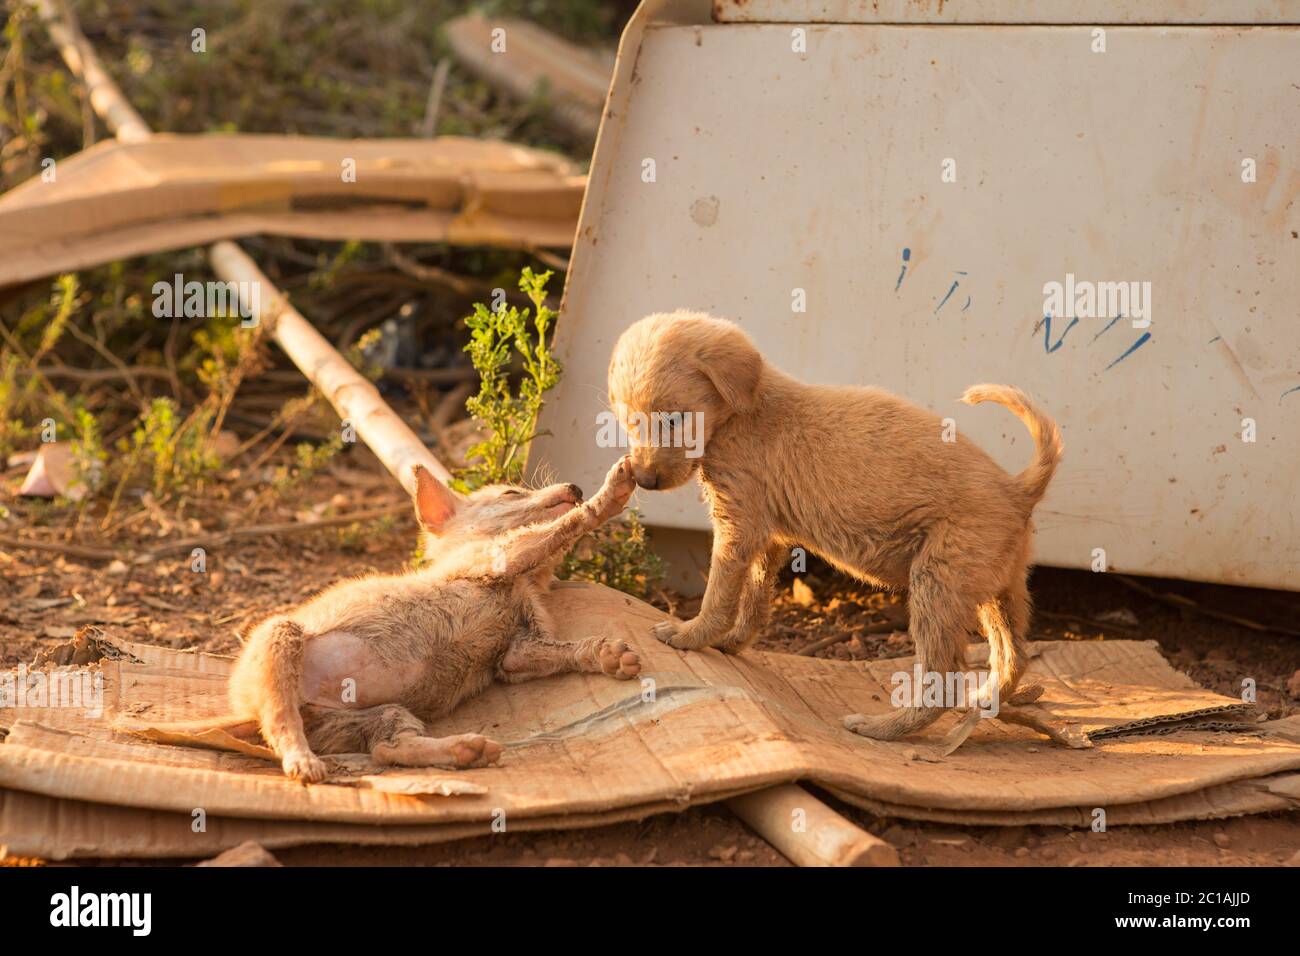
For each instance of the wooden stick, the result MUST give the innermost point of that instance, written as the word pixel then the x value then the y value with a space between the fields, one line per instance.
pixel 356 400
pixel 105 98
pixel 807 831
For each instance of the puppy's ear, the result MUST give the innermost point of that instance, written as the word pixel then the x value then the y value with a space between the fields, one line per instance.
pixel 733 367
pixel 434 501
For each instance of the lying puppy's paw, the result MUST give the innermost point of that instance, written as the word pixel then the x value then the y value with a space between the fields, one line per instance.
pixel 304 766
pixel 615 492
pixel 474 750
pixel 618 660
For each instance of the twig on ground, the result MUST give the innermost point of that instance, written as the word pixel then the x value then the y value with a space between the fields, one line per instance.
pixel 214 539
pixel 284 527
pixel 430 274
pixel 1081 619
pixel 60 547
pixel 1187 604
pixel 434 104
pixel 881 627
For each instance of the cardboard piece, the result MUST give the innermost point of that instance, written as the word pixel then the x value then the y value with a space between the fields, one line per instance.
pixel 583 749
pixel 120 199
pixel 527 60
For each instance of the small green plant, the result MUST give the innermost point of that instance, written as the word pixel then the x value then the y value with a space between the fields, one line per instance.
pixel 618 553
pixel 497 339
pixel 25 393
pixel 88 453
pixel 308 460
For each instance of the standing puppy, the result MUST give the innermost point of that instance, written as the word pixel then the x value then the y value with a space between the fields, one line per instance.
pixel 859 476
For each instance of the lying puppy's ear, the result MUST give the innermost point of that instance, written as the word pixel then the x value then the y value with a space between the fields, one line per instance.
pixel 434 501
pixel 733 368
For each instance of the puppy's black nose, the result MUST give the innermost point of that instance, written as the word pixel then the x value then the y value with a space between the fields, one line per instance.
pixel 649 483
pixel 575 491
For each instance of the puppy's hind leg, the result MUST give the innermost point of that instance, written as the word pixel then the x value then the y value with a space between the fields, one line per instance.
pixel 391 734
pixel 1005 622
pixel 531 657
pixel 267 681
pixel 938 628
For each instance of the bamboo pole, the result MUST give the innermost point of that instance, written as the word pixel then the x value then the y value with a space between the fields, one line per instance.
pixel 807 831
pixel 826 838
pixel 355 399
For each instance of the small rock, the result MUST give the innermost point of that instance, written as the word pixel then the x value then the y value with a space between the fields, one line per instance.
pixel 1120 616
pixel 117 566
pixel 1008 838
pixel 1221 840
pixel 723 853
pixel 248 853
pixel 898 836
pixel 1022 852
pixel 1293 685
pixel 803 594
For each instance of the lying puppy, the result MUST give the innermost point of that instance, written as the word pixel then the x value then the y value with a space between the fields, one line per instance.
pixel 361 666
pixel 859 476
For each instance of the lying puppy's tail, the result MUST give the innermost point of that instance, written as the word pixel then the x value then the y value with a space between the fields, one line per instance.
pixel 1047 438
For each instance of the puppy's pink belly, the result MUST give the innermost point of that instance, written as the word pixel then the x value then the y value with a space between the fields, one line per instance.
pixel 340 670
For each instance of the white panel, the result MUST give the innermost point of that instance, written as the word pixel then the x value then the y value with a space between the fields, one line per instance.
pixel 778 171
pixel 1008 11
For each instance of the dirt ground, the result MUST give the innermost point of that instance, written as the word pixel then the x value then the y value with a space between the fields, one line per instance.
pixel 44 597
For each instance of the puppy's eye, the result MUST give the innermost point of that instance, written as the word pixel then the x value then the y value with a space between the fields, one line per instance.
pixel 512 493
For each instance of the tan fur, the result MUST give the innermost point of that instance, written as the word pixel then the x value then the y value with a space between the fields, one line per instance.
pixel 415 645
pixel 859 476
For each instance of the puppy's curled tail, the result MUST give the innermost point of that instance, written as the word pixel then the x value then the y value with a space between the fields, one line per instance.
pixel 1047 437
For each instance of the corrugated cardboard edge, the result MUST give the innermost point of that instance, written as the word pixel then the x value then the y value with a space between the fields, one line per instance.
pixel 54 829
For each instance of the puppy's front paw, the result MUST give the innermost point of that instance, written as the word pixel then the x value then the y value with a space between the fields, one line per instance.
pixel 675 634
pixel 304 766
pixel 876 727
pixel 618 660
